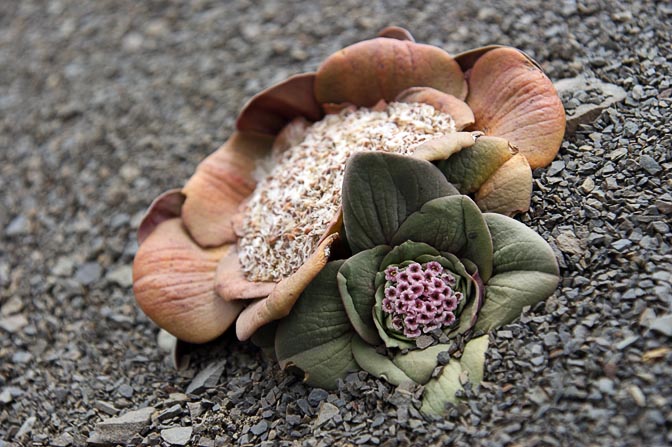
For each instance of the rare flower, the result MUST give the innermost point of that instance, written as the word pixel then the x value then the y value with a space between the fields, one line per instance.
pixel 261 216
pixel 430 271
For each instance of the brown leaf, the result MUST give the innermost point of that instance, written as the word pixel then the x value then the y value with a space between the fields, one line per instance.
pixel 443 102
pixel 443 147
pixel 167 206
pixel 381 68
pixel 221 182
pixel 509 190
pixel 513 99
pixel 396 32
pixel 269 111
pixel 173 281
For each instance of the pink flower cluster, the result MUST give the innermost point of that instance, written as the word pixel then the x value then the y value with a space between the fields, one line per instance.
pixel 420 298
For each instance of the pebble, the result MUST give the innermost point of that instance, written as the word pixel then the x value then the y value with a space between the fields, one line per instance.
pixel 649 164
pixel 177 435
pixel 316 396
pixel 106 407
pixel 120 430
pixel 170 413
pixel 19 226
pixel 125 390
pixel 122 276
pixel 14 323
pixel 12 306
pixel 206 378
pixel 326 412
pixel 662 324
pixel 588 185
pixel 64 267
pixel 88 273
pixel 637 395
pixel 260 427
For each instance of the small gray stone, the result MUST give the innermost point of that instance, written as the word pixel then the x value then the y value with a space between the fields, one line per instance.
pixel 606 385
pixel 326 413
pixel 12 306
pixel 649 164
pixel 556 167
pixel 13 323
pixel 316 396
pixel 64 440
pixel 120 430
pixel 175 410
pixel 88 273
pixel 260 427
pixel 63 267
pixel 106 407
pixel 20 225
pixel 424 341
pixel 568 243
pixel 206 378
pixel 177 435
pixel 621 244
pixel 22 357
pixel 125 390
pixel 588 185
pixel 662 324
pixel 26 427
pixel 122 275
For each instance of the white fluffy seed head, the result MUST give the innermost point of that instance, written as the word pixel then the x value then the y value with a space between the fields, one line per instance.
pixel 296 199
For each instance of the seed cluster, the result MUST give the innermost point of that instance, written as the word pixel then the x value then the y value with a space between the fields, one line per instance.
pixel 420 298
pixel 295 201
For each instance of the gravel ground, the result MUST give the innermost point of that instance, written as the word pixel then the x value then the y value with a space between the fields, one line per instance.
pixel 105 104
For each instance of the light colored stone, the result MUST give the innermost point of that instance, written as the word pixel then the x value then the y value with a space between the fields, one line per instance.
pixel 120 430
pixel 177 435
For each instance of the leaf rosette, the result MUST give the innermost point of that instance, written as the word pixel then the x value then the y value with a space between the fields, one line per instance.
pixel 188 275
pixel 426 262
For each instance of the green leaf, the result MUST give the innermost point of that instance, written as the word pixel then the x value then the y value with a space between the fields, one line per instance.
pixel 376 364
pixel 264 338
pixel 316 336
pixel 451 224
pixel 440 391
pixel 406 251
pixel 468 169
pixel 380 190
pixel 473 358
pixel 419 364
pixel 525 272
pixel 356 283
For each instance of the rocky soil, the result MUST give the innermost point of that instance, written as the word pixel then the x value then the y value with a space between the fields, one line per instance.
pixel 105 104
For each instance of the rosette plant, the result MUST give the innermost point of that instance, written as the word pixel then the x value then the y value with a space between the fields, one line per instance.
pixel 506 120
pixel 426 263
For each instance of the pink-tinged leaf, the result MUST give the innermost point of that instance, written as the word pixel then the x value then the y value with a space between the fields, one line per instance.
pixel 509 190
pixel 281 300
pixel 269 111
pixel 167 206
pixel 173 281
pixel 443 102
pixel 221 182
pixel 513 99
pixel 467 59
pixel 381 68
pixel 231 284
pixel 441 148
pixel 396 32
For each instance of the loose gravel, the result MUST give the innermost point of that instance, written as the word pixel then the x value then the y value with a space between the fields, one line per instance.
pixel 105 104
